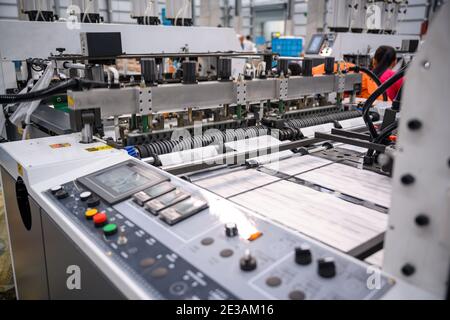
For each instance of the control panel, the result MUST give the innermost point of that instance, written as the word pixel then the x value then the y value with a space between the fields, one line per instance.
pixel 178 241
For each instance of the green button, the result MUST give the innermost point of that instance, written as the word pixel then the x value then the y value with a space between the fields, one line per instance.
pixel 110 229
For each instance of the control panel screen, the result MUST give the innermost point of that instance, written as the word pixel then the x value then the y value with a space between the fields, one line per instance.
pixel 120 182
pixel 122 179
pixel 315 44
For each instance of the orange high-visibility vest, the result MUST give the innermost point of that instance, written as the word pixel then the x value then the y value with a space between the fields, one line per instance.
pixel 368 86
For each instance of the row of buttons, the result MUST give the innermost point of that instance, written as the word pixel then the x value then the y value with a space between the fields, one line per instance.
pixel 171 204
pixel 100 219
pixel 326 267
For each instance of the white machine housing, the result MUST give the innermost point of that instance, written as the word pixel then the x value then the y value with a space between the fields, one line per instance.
pixel 86 6
pixel 144 8
pixel 339 44
pixel 36 5
pixel 179 9
pixel 418 236
pixel 21 37
pixel 348 15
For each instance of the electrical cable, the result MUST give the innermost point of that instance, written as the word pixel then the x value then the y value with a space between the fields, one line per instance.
pixel 386 132
pixel 369 102
pixel 50 91
pixel 372 76
pixel 396 104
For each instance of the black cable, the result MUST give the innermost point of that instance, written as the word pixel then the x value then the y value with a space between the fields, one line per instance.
pixel 372 76
pixel 396 104
pixel 369 102
pixel 50 91
pixel 386 132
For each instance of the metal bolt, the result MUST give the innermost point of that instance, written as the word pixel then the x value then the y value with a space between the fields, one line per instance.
pixel 427 65
pixel 408 179
pixel 422 220
pixel 414 124
pixel 408 270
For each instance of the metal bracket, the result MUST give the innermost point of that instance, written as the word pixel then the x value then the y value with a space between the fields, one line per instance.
pixel 241 92
pixel 282 88
pixel 340 83
pixel 145 101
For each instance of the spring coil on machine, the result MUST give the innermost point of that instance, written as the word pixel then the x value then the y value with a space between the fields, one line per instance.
pixel 315 121
pixel 291 132
pixel 168 146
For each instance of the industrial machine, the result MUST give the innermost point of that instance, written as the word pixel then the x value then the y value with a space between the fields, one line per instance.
pixel 187 180
pixel 19 70
pixel 39 10
pixel 356 28
pixel 375 16
pixel 145 12
pixel 86 11
pixel 180 12
pixel 346 44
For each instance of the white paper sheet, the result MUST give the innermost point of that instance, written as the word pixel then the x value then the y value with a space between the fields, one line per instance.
pixel 236 182
pixel 376 259
pixel 362 184
pixel 322 216
pixel 297 164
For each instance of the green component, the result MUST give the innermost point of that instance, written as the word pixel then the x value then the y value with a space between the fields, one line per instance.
pixel 239 111
pixel 144 123
pixel 60 103
pixel 339 99
pixel 110 229
pixel 281 107
pixel 133 122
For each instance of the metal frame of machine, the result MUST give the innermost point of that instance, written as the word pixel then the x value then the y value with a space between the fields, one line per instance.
pixel 20 35
pixel 418 239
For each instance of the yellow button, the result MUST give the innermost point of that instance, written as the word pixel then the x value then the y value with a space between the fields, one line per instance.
pixel 90 213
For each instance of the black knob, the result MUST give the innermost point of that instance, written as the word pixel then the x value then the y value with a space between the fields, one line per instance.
pixel 61 194
pixel 248 262
pixel 327 268
pixel 60 50
pixel 231 230
pixel 93 202
pixel 303 255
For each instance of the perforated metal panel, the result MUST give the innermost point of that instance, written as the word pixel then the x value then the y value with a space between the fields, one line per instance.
pixel 418 239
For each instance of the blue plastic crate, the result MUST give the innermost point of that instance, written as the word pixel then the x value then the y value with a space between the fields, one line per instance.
pixel 287 47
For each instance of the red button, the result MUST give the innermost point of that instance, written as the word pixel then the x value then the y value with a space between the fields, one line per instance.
pixel 393 138
pixel 100 219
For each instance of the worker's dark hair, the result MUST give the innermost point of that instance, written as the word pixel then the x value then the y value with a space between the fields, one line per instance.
pixel 384 56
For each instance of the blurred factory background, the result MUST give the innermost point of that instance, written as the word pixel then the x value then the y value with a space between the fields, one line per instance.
pixel 259 18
